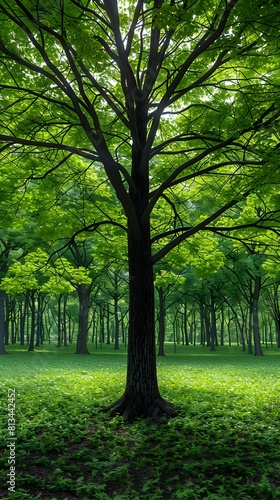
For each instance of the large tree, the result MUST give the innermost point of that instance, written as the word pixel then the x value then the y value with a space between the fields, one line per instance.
pixel 176 101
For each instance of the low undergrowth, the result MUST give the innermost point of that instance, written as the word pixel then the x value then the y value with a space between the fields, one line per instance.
pixel 223 444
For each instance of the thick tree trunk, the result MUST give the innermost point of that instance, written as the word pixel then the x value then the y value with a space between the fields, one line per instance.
pixel 141 396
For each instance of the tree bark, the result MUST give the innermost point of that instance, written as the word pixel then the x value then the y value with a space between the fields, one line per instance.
pixel 141 396
pixel 213 327
pixel 255 307
pixel 59 320
pixel 22 316
pixel 161 320
pixel 2 322
pixel 31 347
pixel 202 324
pixel 83 320
pixel 185 323
pixel 117 324
pixel 64 321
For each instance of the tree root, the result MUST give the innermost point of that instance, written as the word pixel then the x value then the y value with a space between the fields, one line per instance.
pixel 129 408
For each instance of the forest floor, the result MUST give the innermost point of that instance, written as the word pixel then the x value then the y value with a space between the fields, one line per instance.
pixel 223 444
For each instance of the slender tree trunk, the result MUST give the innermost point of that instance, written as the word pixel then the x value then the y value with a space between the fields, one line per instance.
pixel 229 330
pixel 59 320
pixel 7 319
pixel 193 327
pixel 70 330
pixel 33 319
pixel 22 318
pixel 250 328
pixel 202 323
pixel 161 322
pixel 242 330
pixel 39 336
pixel 81 347
pixel 185 323
pixel 2 322
pixel 207 328
pixel 108 326
pixel 276 310
pixel 117 323
pixel 22 315
pixel 64 321
pixel 277 324
pixel 102 326
pixel 222 326
pixel 256 327
pixel 213 326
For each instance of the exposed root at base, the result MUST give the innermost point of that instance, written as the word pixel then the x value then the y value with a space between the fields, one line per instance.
pixel 130 408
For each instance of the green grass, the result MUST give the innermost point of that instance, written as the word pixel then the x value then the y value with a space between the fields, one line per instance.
pixel 224 443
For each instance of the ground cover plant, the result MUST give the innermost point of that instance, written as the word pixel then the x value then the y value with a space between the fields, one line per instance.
pixel 223 444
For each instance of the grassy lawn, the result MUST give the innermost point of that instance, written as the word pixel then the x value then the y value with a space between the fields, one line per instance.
pixel 224 443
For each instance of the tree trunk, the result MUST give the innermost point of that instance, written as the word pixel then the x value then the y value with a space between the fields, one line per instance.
pixel 276 310
pixel 117 323
pixel 202 324
pixel 256 327
pixel 277 324
pixel 2 322
pixel 102 326
pixel 33 321
pixel 108 329
pixel 222 326
pixel 7 320
pixel 250 328
pixel 83 320
pixel 22 316
pixel 185 323
pixel 64 320
pixel 161 322
pixel 141 396
pixel 213 327
pixel 39 333
pixel 59 320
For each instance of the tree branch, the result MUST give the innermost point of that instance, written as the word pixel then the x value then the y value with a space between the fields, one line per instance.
pixel 193 230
